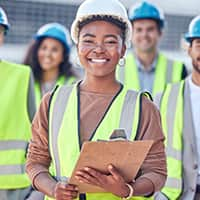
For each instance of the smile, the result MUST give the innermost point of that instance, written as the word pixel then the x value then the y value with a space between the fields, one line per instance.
pixel 98 60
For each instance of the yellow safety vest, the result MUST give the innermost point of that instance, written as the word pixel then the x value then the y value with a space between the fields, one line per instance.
pixel 15 125
pixel 64 117
pixel 167 71
pixel 61 81
pixel 171 109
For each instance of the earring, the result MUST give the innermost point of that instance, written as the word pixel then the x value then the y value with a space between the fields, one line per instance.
pixel 78 61
pixel 122 62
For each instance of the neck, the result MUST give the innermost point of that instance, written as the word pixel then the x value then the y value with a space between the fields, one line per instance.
pixel 146 58
pixel 100 85
pixel 50 75
pixel 196 77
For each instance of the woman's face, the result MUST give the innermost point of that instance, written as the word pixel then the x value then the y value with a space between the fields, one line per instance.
pixel 50 54
pixel 100 47
pixel 2 32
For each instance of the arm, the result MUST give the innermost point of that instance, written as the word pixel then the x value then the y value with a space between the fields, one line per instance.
pixel 38 158
pixel 153 171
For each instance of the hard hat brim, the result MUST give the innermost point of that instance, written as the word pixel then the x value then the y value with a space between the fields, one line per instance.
pixel 75 27
pixel 38 37
pixel 189 37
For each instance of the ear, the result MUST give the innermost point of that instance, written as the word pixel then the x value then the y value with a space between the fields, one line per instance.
pixel 189 50
pixel 123 51
pixel 77 46
pixel 160 33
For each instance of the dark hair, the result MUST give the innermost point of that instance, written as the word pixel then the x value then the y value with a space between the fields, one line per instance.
pixel 158 22
pixel 192 39
pixel 115 21
pixel 31 59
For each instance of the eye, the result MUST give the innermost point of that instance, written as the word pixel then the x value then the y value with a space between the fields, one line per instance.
pixel 55 49
pixel 111 42
pixel 138 30
pixel 150 29
pixel 87 41
pixel 43 47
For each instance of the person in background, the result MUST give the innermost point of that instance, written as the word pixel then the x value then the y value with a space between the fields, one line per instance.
pixel 180 112
pixel 92 109
pixel 17 108
pixel 49 58
pixel 145 67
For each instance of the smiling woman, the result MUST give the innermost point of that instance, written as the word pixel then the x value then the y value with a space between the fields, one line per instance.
pixel 92 110
pixel 100 47
pixel 48 56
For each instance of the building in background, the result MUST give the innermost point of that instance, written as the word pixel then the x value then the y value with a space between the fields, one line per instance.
pixel 26 16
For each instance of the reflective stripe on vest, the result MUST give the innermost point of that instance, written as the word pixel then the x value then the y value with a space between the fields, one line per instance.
pixel 15 126
pixel 64 103
pixel 61 81
pixel 13 144
pixel 171 108
pixel 12 169
pixel 166 71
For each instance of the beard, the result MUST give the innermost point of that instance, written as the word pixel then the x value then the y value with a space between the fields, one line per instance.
pixel 196 65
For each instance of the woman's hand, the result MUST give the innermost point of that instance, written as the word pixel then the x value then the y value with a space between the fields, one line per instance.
pixel 112 182
pixel 64 191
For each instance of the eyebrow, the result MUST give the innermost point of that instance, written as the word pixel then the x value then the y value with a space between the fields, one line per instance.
pixel 88 35
pixel 111 35
pixel 91 35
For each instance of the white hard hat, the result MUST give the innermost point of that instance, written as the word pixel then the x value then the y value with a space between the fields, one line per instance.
pixel 90 8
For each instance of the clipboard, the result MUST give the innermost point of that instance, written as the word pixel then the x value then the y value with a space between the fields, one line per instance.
pixel 126 156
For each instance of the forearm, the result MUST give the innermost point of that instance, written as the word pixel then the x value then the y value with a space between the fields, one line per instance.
pixel 142 187
pixel 45 184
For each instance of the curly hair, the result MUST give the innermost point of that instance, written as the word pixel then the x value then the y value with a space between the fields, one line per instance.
pixel 108 18
pixel 31 59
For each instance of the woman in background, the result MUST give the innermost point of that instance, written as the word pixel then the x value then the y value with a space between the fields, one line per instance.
pixel 48 56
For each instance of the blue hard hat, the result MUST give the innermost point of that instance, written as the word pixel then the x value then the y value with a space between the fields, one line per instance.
pixel 4 19
pixel 56 31
pixel 194 29
pixel 146 10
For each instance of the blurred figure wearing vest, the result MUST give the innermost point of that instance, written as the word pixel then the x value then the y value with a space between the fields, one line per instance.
pixel 49 58
pixel 180 112
pixel 17 108
pixel 146 68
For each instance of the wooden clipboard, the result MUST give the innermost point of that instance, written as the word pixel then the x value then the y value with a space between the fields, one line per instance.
pixel 125 155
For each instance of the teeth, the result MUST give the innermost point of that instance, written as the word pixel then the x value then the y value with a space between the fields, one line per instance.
pixel 98 60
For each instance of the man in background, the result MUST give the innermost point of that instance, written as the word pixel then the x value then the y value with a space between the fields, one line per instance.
pixel 146 68
pixel 17 108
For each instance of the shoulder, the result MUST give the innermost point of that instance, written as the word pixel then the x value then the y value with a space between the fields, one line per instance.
pixel 147 105
pixel 44 104
pixel 150 121
pixel 177 61
pixel 15 66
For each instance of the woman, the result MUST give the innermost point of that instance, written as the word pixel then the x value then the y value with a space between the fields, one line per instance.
pixel 48 56
pixel 91 110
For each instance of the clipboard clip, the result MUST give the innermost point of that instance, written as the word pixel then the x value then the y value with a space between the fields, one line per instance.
pixel 117 134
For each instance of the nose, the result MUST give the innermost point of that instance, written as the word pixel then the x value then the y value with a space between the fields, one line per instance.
pixel 144 33
pixel 47 52
pixel 99 48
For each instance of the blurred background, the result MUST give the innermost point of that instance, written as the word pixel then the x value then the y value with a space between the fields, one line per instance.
pixel 26 16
